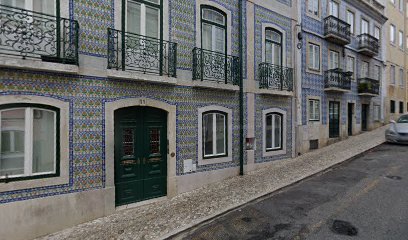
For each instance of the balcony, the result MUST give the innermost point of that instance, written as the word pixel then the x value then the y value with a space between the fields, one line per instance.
pixel 32 35
pixel 215 67
pixel 275 77
pixel 368 45
pixel 337 31
pixel 137 53
pixel 368 87
pixel 336 80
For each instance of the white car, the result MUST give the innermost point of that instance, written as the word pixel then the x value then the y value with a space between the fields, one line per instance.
pixel 398 131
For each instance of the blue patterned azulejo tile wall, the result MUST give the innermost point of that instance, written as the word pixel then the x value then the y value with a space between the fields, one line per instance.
pixel 87 97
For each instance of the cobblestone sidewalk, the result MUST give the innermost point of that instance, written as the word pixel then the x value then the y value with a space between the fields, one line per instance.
pixel 162 219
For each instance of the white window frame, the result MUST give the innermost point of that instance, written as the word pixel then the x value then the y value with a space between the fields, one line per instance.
pixel 316 49
pixel 278 29
pixel 143 19
pixel 314 4
pixel 363 30
pixel 28 142
pixel 200 154
pixel 378 73
pixel 377 32
pixel 392 75
pixel 313 115
pixel 64 139
pixel 351 68
pixel 351 14
pixel 334 59
pixel 266 152
pixel 274 115
pixel 401 39
pixel 332 5
pixel 366 73
pixel 199 5
pixel 214 134
pixel 392 33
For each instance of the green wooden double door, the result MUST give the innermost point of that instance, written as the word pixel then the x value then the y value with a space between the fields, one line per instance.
pixel 140 154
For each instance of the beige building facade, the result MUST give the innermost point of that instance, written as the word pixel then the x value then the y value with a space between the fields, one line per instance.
pixel 395 100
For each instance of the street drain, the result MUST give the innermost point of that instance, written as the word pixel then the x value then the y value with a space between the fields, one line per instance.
pixel 394 177
pixel 344 228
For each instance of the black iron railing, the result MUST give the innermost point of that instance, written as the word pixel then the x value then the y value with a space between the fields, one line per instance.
pixel 134 52
pixel 369 86
pixel 366 41
pixel 29 34
pixel 275 77
pixel 215 66
pixel 337 78
pixel 337 27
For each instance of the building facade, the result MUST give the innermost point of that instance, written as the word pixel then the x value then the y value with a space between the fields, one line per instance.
pixel 109 103
pixel 342 70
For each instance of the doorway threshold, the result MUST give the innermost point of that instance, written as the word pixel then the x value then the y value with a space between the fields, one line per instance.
pixel 139 204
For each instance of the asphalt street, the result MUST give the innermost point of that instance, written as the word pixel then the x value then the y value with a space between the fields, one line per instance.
pixel 364 198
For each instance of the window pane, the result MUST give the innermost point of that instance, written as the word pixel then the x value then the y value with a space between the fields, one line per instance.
pixel 133 17
pixel 277 131
pixel 213 16
pixel 12 142
pixel 220 134
pixel 219 40
pixel 268 52
pixel 44 6
pixel 311 56
pixel 317 109
pixel 152 22
pixel 277 55
pixel 43 141
pixel 207 36
pixel 311 109
pixel 208 134
pixel 317 57
pixel 268 131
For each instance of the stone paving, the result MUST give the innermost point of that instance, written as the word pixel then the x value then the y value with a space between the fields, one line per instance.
pixel 165 218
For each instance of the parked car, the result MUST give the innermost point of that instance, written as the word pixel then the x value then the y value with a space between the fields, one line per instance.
pixel 398 131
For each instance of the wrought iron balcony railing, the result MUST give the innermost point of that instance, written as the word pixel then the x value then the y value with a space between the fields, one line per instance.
pixel 275 77
pixel 29 34
pixel 337 79
pixel 337 30
pixel 369 86
pixel 368 44
pixel 215 66
pixel 134 52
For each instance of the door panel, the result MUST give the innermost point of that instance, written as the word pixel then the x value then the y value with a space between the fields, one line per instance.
pixel 140 154
pixel 350 118
pixel 364 113
pixel 334 119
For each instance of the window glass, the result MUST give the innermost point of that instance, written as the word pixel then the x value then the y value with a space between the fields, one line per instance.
pixel 377 72
pixel 334 60
pixel 392 74
pixel 401 39
pixel 28 142
pixel 273 135
pixel 313 7
pixel 12 142
pixel 314 110
pixel 43 141
pixel 314 56
pixel 377 32
pixel 208 134
pixel 213 30
pixel 214 134
pixel 350 20
pixel 365 66
pixel 364 26
pixel 392 33
pixel 334 9
pixel 142 19
pixel 402 77
pixel 273 47
pixel 220 133
pixel 350 64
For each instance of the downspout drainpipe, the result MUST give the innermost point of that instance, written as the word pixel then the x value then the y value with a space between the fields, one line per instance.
pixel 241 94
